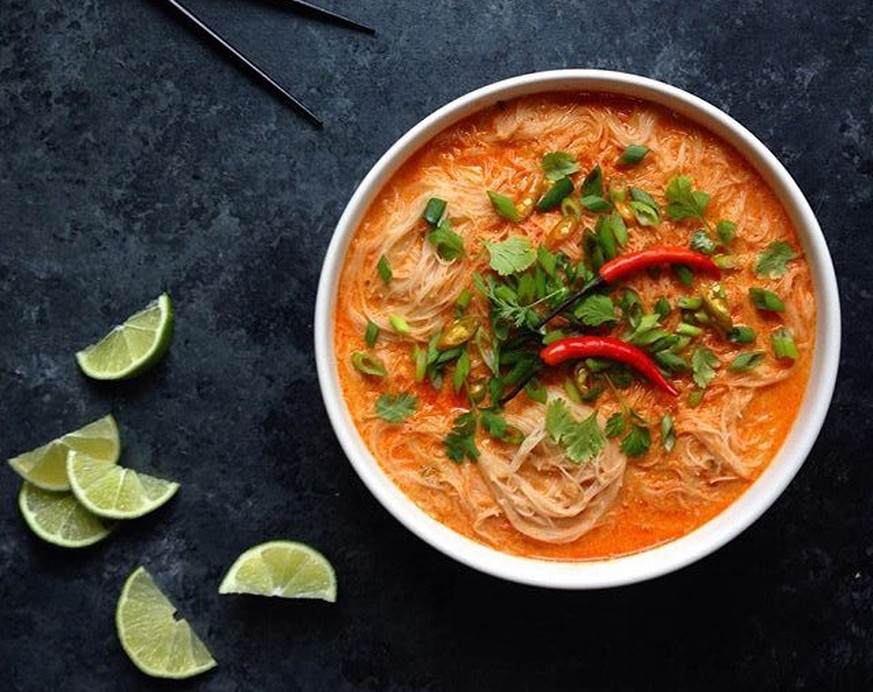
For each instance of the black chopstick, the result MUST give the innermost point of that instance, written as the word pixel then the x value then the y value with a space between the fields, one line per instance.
pixel 257 71
pixel 335 17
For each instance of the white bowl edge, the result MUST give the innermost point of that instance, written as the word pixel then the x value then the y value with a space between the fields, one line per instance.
pixel 725 526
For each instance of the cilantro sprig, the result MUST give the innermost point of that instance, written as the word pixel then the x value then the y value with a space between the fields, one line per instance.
pixel 515 254
pixel 396 408
pixel 684 202
pixel 582 440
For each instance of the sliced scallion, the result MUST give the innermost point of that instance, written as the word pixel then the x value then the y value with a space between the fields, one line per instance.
pixel 368 364
pixel 504 206
pixel 783 343
pixel 555 194
pixel 371 333
pixel 384 269
pixel 690 303
pixel 633 154
pixel 401 326
pixel 434 210
pixel 746 361
pixel 765 300
pixel 741 334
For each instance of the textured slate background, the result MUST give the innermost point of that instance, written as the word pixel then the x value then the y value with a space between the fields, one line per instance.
pixel 132 160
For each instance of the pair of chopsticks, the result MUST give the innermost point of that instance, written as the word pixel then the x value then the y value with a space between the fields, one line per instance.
pixel 299 5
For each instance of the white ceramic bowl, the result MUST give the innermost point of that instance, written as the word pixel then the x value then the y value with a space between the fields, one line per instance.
pixel 715 533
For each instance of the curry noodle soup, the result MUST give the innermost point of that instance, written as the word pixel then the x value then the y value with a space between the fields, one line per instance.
pixel 442 339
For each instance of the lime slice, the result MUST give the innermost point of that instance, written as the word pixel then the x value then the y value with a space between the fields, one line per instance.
pixel 132 347
pixel 281 568
pixel 115 492
pixel 46 466
pixel 59 518
pixel 157 643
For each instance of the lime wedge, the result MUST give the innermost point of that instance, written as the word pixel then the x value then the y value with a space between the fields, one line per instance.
pixel 115 492
pixel 281 568
pixel 132 347
pixel 157 643
pixel 46 466
pixel 59 518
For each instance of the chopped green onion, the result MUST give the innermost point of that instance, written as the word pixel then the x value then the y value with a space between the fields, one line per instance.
pixel 504 206
pixel 463 301
pixel 572 390
pixel 537 391
pixel 401 326
pixel 595 203
pixel 633 154
pixel 552 336
pixel 384 269
pixel 368 364
pixel 556 193
pixel 765 300
pixel 570 207
pixel 695 398
pixel 371 334
pixel 690 303
pixel 746 361
pixel 726 262
pixel 783 343
pixel 593 183
pixel 681 344
pixel 684 274
pixel 668 432
pixel 688 330
pixel 419 355
pixel 741 334
pixel 462 370
pixel 726 231
pixel 702 317
pixel 662 307
pixel 434 211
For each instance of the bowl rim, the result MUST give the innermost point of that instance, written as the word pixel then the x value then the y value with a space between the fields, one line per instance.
pixel 740 514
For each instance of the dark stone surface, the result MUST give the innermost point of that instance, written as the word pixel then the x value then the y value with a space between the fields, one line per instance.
pixel 133 159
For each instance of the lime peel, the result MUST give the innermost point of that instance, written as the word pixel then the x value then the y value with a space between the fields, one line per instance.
pixel 59 519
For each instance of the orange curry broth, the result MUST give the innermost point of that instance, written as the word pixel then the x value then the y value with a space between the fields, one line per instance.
pixel 633 524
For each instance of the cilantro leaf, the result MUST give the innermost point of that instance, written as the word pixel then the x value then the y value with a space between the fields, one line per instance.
pixel 583 441
pixel 685 202
pixel 596 310
pixel 496 426
pixel 615 425
pixel 637 441
pixel 558 419
pixel 396 408
pixel 461 440
pixel 703 364
pixel 505 304
pixel 773 262
pixel 515 254
pixel 448 244
pixel 559 164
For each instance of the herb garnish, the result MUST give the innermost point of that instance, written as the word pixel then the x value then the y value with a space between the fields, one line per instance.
pixel 515 254
pixel 783 343
pixel 684 201
pixel 448 244
pixel 637 442
pixel 668 433
pixel 703 364
pixel 581 441
pixel 773 262
pixel 461 440
pixel 633 154
pixel 766 300
pixel 371 334
pixel 559 164
pixel 396 408
pixel 746 361
pixel 596 310
pixel 384 269
pixel 504 206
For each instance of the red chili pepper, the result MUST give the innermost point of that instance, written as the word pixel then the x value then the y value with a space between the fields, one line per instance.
pixel 633 262
pixel 576 347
